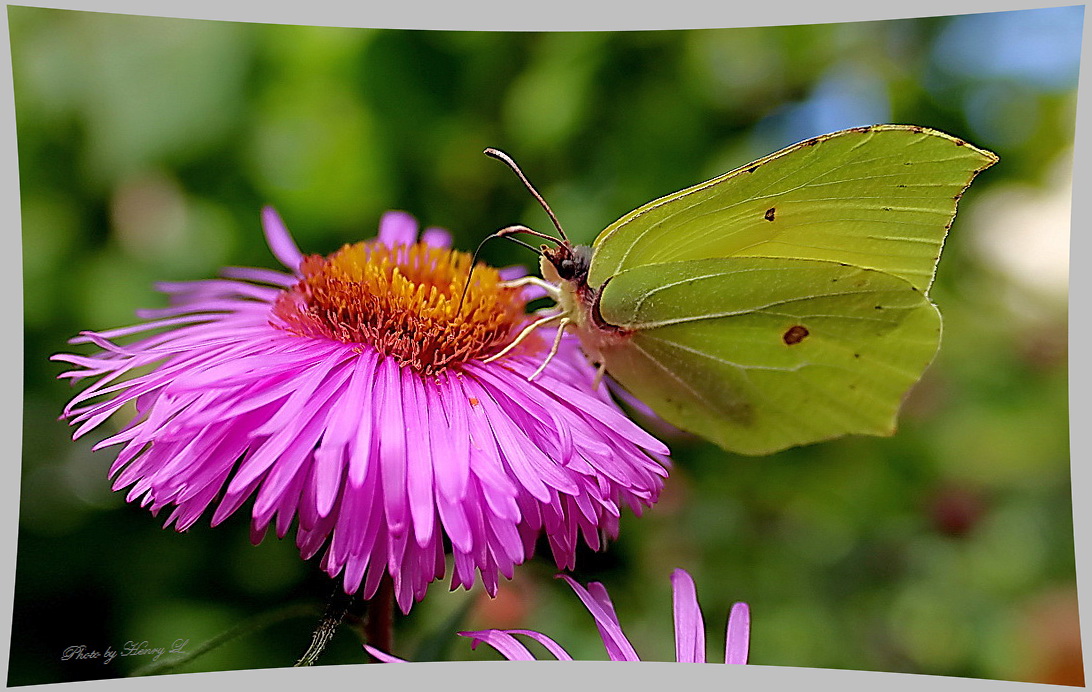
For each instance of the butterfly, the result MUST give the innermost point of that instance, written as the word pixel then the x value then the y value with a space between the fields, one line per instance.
pixel 779 304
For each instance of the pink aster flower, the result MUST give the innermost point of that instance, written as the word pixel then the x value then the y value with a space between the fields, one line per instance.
pixel 352 396
pixel 689 629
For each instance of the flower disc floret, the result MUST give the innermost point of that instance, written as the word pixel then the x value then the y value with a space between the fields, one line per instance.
pixel 419 304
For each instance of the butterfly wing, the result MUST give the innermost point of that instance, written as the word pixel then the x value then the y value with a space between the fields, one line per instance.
pixel 880 197
pixel 758 354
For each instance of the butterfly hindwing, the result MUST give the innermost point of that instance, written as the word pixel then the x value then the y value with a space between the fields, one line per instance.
pixel 759 354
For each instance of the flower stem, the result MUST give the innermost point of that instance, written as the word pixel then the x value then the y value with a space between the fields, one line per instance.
pixel 379 624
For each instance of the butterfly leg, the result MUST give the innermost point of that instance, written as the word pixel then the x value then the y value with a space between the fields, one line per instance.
pixel 523 335
pixel 600 370
pixel 551 290
pixel 553 349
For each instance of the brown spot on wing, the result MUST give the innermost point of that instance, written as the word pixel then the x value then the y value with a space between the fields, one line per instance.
pixel 795 334
pixel 769 215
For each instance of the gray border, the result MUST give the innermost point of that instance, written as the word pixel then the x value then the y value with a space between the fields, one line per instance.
pixel 558 15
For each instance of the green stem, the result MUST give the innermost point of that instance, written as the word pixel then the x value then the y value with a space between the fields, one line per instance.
pixel 336 608
pixel 252 625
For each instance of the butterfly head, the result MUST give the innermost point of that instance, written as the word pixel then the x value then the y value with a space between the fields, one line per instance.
pixel 569 262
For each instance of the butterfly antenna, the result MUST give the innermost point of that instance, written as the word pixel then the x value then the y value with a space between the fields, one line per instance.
pixel 501 156
pixel 502 233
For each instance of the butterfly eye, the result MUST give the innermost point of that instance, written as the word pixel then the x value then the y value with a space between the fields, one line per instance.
pixel 567 268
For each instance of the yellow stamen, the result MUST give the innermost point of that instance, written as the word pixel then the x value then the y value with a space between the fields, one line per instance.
pixel 404 302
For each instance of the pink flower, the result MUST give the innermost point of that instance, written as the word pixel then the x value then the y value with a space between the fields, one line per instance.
pixel 352 396
pixel 689 629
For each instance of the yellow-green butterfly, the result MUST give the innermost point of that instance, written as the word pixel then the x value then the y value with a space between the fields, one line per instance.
pixel 782 303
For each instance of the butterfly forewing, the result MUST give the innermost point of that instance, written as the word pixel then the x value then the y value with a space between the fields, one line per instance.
pixel 881 198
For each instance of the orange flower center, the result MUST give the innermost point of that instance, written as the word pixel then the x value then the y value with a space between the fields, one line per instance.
pixel 404 302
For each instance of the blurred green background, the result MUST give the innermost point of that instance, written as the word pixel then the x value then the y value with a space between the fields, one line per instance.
pixel 147 146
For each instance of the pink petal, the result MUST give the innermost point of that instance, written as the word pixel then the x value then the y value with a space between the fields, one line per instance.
pixel 350 416
pixel 553 647
pixel 495 637
pixel 528 463
pixel 738 635
pixel 618 647
pixel 258 275
pixel 452 475
pixel 512 272
pixel 689 626
pixel 392 447
pixel 416 406
pixel 505 643
pixel 453 518
pixel 383 657
pixel 280 241
pixel 436 237
pixel 366 391
pixel 397 228
pixel 609 415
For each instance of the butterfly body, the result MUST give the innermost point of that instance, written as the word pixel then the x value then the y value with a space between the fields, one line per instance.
pixel 784 302
pixel 566 267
